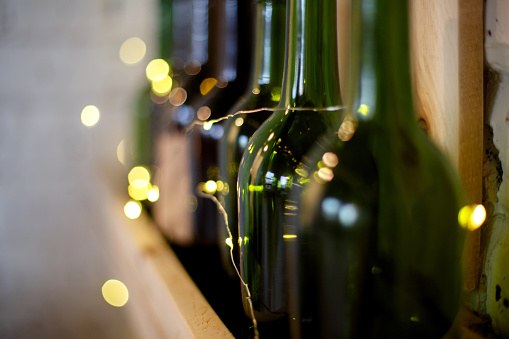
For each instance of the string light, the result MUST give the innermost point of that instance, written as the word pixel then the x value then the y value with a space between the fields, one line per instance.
pixel 472 217
pixel 153 194
pixel 132 51
pixel 90 115
pixel 132 209
pixel 162 86
pixel 115 293
pixel 157 69
pixel 139 177
pixel 229 242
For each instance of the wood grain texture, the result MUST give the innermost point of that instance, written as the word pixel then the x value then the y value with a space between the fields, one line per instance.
pixel 434 43
pixel 471 120
pixel 447 54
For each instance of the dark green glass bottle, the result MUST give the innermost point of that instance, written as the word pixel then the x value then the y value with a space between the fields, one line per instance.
pixel 263 94
pixel 309 104
pixel 229 84
pixel 377 247
pixel 173 211
pixel 152 110
pixel 149 109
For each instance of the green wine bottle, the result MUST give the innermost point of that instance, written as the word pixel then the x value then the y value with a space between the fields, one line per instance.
pixel 203 138
pixel 308 107
pixel 173 211
pixel 149 108
pixel 377 247
pixel 263 94
pixel 152 108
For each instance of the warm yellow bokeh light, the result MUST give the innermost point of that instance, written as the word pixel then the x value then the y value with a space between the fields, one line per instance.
pixel 478 217
pixel 157 69
pixel 275 94
pixel 178 96
pixel 138 193
pixel 220 185
pixel 121 153
pixel 302 172
pixel 132 209
pixel 139 177
pixel 464 215
pixel 363 109
pixel 325 173
pixel 115 293
pixel 346 130
pixel 472 216
pixel 330 159
pixel 132 51
pixel 90 115
pixel 229 242
pixel 255 188
pixel 203 113
pixel 289 236
pixel 163 86
pixel 207 85
pixel 153 193
pixel 210 186
pixel 208 125
pixel 239 122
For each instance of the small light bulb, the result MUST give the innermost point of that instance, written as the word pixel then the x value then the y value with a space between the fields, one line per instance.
pixel 153 194
pixel 210 186
pixel 132 209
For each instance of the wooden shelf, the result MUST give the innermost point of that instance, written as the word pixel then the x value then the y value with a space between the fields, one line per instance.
pixel 164 301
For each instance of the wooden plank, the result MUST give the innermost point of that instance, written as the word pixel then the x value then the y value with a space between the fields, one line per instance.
pixel 164 301
pixel 434 43
pixel 471 122
pixel 447 55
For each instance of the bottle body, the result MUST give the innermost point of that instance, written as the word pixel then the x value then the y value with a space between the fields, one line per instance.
pixel 259 101
pixel 378 247
pixel 309 106
pixel 374 255
pixel 238 131
pixel 203 138
pixel 173 211
pixel 266 178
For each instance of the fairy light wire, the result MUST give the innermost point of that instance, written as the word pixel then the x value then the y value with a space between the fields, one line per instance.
pixel 269 109
pixel 221 208
pixel 246 287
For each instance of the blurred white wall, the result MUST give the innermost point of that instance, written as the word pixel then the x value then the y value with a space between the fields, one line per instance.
pixel 56 57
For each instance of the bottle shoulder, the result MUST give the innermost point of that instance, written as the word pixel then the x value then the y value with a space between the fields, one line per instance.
pixel 282 141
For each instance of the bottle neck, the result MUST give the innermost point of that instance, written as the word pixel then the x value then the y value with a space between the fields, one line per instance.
pixel 311 67
pixel 269 44
pixel 384 88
